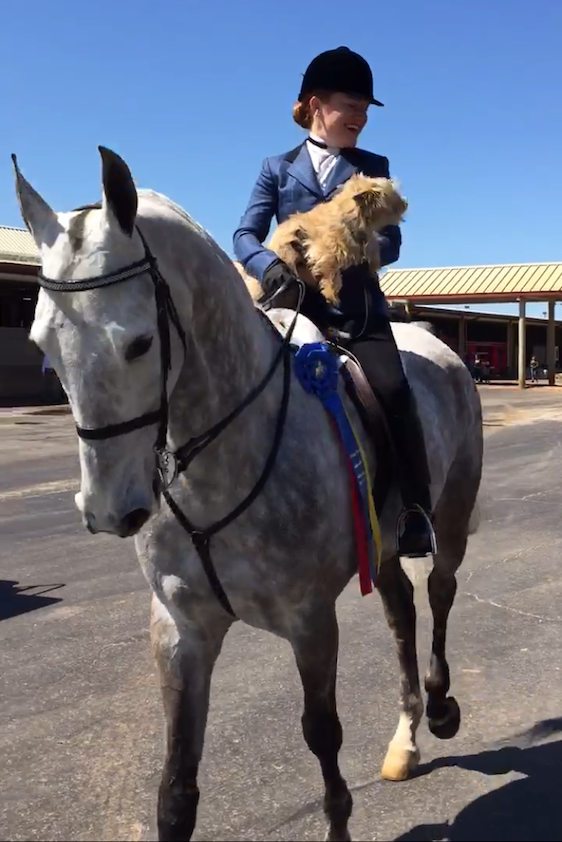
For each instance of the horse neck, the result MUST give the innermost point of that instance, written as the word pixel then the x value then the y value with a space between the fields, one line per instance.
pixel 229 350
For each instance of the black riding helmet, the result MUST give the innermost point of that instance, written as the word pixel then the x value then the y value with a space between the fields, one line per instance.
pixel 339 71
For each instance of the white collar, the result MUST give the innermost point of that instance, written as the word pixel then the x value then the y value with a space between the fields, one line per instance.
pixel 329 150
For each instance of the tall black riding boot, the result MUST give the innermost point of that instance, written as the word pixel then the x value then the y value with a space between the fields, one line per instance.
pixel 415 536
pixel 372 342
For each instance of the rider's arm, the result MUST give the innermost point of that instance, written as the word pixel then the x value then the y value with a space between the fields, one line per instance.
pixel 390 238
pixel 255 224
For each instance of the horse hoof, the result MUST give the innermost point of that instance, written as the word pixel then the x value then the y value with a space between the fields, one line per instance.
pixel 399 763
pixel 446 724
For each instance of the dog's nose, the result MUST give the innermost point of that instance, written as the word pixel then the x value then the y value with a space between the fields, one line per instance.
pixel 132 522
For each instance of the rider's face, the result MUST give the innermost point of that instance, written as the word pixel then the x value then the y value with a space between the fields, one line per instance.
pixel 339 119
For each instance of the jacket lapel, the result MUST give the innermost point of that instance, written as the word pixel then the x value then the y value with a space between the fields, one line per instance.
pixel 301 169
pixel 343 169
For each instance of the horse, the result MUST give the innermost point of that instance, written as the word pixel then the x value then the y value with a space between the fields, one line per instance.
pixel 196 438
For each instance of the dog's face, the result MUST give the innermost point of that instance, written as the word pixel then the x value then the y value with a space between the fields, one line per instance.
pixel 376 199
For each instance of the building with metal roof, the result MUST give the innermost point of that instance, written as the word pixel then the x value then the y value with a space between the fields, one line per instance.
pixel 17 247
pixel 21 377
pixel 520 283
pixel 505 340
pixel 476 284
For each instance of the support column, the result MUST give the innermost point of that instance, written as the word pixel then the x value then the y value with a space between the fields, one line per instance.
pixel 462 337
pixel 551 344
pixel 510 349
pixel 522 355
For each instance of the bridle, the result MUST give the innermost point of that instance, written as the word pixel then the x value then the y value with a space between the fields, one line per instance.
pixel 179 460
pixel 166 313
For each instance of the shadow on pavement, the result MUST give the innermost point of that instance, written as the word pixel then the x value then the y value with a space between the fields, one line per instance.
pixel 15 600
pixel 526 809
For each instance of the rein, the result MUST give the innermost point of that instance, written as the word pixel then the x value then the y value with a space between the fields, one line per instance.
pixel 181 458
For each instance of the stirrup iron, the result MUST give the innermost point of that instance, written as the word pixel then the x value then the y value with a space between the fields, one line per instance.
pixel 399 530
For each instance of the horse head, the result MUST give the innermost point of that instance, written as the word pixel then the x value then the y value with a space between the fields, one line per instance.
pixel 103 336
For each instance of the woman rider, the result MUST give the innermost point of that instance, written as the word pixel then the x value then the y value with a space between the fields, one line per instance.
pixel 336 92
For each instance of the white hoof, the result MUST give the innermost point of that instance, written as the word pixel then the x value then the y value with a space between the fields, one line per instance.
pixel 399 763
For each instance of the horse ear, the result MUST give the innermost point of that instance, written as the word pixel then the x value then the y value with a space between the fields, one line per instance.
pixel 35 211
pixel 120 194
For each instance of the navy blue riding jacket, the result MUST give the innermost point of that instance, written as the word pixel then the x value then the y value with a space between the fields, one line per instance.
pixel 288 184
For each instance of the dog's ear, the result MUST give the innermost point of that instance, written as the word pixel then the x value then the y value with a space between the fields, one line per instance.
pixel 368 200
pixel 297 243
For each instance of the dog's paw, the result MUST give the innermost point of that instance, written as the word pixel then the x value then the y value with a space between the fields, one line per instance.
pixel 329 289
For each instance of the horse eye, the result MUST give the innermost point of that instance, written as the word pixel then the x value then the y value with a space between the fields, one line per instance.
pixel 138 348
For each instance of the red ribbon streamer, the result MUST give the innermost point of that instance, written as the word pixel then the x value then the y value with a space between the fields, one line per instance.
pixel 359 526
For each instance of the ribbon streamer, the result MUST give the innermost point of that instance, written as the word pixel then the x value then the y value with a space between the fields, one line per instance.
pixel 317 368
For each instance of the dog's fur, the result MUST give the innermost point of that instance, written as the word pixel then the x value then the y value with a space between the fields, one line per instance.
pixel 318 244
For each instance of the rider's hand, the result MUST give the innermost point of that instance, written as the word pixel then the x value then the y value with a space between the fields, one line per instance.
pixel 318 310
pixel 276 276
pixel 358 276
pixel 361 295
pixel 314 305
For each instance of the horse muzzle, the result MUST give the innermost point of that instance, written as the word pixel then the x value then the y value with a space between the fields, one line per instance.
pixel 124 527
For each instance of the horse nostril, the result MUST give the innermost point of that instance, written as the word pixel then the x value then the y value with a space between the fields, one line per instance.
pixel 133 521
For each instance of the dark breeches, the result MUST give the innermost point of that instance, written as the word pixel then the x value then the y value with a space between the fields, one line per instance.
pixel 378 355
pixel 380 360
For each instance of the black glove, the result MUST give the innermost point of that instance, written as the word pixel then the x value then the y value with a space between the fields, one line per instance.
pixel 314 305
pixel 361 296
pixel 355 281
pixel 316 308
pixel 276 276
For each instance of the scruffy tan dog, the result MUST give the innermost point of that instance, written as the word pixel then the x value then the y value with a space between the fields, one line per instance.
pixel 318 244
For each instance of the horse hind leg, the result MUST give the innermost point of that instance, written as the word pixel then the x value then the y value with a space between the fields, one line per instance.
pixel 452 519
pixel 397 595
pixel 316 654
pixel 442 711
pixel 185 657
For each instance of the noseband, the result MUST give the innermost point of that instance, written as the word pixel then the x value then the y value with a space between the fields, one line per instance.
pixel 180 459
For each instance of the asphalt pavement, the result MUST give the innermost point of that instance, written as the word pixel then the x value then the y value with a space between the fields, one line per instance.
pixel 82 729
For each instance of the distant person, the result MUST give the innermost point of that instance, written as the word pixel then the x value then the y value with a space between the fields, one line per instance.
pixel 534 366
pixel 477 368
pixel 332 106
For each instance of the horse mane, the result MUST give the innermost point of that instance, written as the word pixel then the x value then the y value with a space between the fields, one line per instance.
pixel 151 194
pixel 93 206
pixel 426 326
pixel 398 313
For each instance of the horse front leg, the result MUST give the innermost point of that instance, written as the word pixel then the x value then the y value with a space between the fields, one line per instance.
pixel 185 657
pixel 316 653
pixel 397 595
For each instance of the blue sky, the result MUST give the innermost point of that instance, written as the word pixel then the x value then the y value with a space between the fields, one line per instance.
pixel 195 94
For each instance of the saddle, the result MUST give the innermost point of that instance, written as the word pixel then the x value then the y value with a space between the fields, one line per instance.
pixel 374 422
pixel 369 408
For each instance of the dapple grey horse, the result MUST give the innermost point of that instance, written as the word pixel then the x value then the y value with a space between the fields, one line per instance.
pixel 135 371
